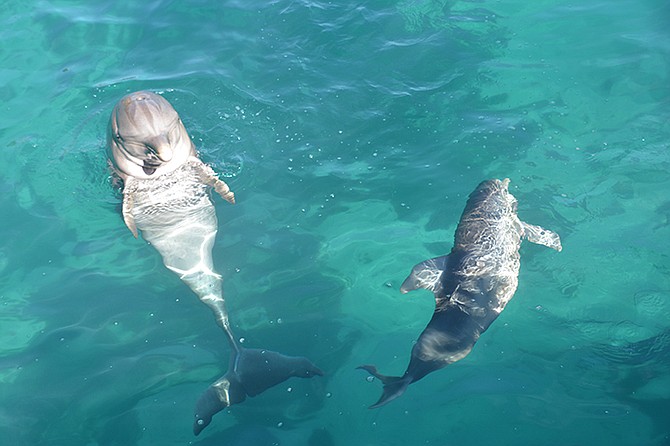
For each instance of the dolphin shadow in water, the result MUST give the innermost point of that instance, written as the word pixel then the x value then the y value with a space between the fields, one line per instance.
pixel 472 284
pixel 166 196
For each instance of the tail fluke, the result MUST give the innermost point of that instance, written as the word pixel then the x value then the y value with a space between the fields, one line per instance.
pixel 250 373
pixel 258 370
pixel 225 392
pixel 394 386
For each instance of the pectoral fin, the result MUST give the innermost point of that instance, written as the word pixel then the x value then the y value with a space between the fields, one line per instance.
pixel 427 274
pixel 209 177
pixel 128 211
pixel 541 236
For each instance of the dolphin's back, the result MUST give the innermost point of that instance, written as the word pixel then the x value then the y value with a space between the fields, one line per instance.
pixel 482 272
pixel 488 220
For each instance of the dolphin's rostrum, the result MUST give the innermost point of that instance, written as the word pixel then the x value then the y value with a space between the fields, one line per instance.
pixel 166 197
pixel 472 284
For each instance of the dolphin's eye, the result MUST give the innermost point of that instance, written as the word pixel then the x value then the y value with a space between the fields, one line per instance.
pixel 118 137
pixel 200 422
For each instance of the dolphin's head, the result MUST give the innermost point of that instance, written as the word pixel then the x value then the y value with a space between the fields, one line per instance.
pixel 492 187
pixel 145 136
pixel 495 194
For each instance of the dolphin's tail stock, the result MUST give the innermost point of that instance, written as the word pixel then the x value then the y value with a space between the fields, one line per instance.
pixel 394 386
pixel 250 373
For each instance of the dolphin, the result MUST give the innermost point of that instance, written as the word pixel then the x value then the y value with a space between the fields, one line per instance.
pixel 166 198
pixel 472 284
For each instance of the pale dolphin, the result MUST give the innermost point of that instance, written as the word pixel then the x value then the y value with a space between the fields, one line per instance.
pixel 166 197
pixel 472 284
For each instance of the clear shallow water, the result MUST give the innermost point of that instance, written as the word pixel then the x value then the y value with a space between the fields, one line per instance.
pixel 351 134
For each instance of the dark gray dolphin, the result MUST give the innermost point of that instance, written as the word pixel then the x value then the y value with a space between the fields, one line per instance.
pixel 166 197
pixel 472 284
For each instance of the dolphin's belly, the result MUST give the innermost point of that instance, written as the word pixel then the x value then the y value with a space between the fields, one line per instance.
pixel 176 215
pixel 175 195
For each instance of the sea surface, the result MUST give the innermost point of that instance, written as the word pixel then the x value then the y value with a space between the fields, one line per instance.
pixel 351 134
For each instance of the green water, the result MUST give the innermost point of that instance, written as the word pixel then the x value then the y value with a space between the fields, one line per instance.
pixel 352 134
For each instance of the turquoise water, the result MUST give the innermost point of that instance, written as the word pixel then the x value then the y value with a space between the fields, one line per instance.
pixel 352 134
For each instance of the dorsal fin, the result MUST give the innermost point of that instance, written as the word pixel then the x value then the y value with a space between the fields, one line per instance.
pixel 427 274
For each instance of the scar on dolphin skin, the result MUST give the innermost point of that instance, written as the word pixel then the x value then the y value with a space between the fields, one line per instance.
pixel 472 284
pixel 166 198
